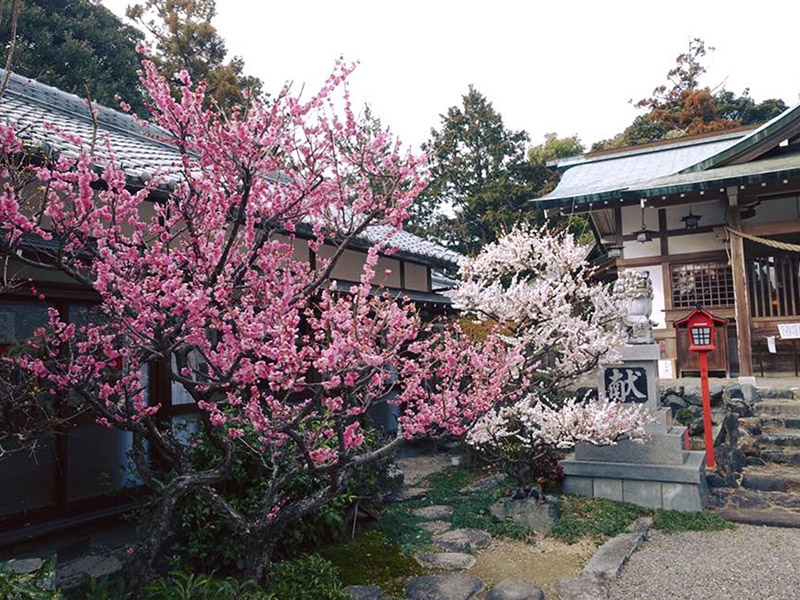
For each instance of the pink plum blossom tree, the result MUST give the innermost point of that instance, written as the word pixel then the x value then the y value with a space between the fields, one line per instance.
pixel 536 286
pixel 197 272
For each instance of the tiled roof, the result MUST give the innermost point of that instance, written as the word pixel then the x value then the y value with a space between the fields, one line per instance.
pixel 654 168
pixel 40 112
pixel 609 173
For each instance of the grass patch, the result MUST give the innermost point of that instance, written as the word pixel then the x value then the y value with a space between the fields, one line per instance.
pixel 596 517
pixel 673 521
pixel 469 511
pixel 370 559
pixel 601 519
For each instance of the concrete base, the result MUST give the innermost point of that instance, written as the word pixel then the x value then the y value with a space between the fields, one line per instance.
pixel 668 486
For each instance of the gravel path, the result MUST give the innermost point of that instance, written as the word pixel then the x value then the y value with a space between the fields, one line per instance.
pixel 757 563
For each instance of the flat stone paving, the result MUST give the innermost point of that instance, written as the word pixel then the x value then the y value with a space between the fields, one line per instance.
pixel 757 563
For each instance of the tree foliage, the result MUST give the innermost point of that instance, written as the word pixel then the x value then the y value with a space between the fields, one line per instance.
pixel 681 106
pixel 481 179
pixel 280 364
pixel 186 39
pixel 78 46
pixel 554 148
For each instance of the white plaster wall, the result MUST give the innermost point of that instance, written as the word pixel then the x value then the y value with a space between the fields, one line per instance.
pixel 416 277
pixel 713 212
pixel 696 242
pixel 351 264
pixel 632 219
pixel 777 209
pixel 659 301
pixel 634 249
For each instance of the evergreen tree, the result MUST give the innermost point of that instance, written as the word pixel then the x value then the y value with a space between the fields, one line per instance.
pixel 186 39
pixel 75 45
pixel 481 179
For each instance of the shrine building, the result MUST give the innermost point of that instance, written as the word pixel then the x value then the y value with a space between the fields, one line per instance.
pixel 715 220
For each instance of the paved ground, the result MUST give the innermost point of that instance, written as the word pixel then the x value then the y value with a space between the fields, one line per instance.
pixel 757 563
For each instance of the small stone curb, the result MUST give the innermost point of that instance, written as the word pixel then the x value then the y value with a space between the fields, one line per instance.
pixel 609 559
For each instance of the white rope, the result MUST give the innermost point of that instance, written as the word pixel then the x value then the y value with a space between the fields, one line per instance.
pixel 765 241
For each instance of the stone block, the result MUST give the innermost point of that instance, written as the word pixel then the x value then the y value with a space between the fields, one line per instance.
pixel 691 471
pixel 609 559
pixel 363 592
pixel 642 493
pixel 449 561
pixel 608 488
pixel 581 588
pixel 463 540
pixel 580 486
pixel 664 447
pixel 681 496
pixel 456 586
pixel 511 589
pixel 540 517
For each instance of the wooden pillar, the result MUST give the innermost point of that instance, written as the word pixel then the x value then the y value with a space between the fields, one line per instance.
pixel 740 286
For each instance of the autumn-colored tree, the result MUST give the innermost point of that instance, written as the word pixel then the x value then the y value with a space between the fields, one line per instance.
pixel 683 107
pixel 186 39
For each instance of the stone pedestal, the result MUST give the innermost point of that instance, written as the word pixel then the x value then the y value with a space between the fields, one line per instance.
pixel 659 473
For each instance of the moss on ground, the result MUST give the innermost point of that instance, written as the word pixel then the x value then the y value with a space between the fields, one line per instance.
pixel 369 559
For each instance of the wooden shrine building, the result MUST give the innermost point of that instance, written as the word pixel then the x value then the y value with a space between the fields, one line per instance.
pixel 715 220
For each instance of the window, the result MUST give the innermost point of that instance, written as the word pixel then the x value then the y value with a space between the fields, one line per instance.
pixel 710 284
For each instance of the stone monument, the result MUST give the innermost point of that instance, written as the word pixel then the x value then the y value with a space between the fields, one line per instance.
pixel 661 472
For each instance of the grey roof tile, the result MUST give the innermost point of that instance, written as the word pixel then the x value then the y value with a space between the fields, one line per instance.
pixel 42 114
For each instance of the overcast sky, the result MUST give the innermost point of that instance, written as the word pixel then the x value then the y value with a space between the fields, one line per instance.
pixel 565 67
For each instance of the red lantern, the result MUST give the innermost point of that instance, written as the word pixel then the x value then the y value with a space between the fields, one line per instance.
pixel 701 325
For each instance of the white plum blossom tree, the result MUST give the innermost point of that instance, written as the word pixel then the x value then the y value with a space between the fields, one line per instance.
pixel 536 287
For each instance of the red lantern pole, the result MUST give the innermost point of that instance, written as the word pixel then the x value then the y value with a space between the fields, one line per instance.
pixel 708 434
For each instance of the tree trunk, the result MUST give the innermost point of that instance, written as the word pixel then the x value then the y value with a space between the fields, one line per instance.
pixel 139 565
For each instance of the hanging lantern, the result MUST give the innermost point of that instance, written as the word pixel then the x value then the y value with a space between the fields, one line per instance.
pixel 691 221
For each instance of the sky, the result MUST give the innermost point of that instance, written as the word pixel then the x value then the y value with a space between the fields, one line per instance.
pixel 563 67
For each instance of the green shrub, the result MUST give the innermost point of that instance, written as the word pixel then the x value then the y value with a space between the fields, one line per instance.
pixel 309 577
pixel 200 530
pixel 684 416
pixel 27 586
pixel 181 585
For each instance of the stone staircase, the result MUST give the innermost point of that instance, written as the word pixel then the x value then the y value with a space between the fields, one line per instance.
pixel 769 485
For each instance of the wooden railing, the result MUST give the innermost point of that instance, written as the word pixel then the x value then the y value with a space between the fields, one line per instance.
pixel 773 285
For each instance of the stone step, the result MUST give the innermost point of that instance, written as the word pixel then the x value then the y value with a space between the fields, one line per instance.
pixel 778 437
pixel 788 474
pixel 772 517
pixel 757 425
pixel 785 408
pixel 781 456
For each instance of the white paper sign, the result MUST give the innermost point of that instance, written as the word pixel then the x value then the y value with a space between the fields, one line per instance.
pixel 666 369
pixel 771 344
pixel 789 331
